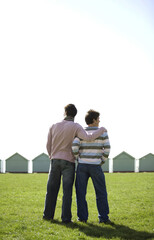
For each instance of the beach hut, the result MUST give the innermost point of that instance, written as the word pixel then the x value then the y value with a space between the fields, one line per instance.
pixel 123 163
pixel 17 163
pixel 0 165
pixel 41 163
pixel 105 166
pixel 146 163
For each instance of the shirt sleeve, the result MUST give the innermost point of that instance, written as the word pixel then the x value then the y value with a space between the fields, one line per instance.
pixel 75 147
pixel 49 142
pixel 81 133
pixel 106 146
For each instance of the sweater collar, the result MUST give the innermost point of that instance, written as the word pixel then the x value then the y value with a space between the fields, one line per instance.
pixel 91 128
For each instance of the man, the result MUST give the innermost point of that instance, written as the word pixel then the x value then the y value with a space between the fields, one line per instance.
pixel 91 155
pixel 59 143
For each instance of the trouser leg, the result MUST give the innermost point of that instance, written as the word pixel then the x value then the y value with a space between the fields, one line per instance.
pixel 53 186
pixel 68 173
pixel 98 179
pixel 81 190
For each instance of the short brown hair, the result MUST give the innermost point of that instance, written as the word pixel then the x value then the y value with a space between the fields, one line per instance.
pixel 91 115
pixel 70 110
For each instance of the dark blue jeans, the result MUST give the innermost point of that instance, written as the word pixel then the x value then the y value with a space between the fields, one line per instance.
pixel 84 171
pixel 59 168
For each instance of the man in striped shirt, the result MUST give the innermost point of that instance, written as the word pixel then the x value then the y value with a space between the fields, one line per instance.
pixel 91 155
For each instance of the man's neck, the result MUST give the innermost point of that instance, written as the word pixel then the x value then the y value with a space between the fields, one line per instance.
pixel 69 118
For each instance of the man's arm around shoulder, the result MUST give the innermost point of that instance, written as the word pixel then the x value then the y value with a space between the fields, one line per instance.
pixel 81 133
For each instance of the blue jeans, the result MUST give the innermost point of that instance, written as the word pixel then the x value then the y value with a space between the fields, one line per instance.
pixel 65 169
pixel 84 171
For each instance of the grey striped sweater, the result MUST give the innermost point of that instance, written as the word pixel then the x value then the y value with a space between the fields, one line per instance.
pixel 94 152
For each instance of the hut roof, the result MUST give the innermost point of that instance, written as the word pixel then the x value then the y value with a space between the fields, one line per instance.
pixel 41 155
pixel 147 155
pixel 16 155
pixel 124 154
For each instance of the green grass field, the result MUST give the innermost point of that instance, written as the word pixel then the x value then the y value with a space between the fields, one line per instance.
pixel 131 201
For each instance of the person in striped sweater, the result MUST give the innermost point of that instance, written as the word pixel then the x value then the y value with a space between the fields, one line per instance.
pixel 90 157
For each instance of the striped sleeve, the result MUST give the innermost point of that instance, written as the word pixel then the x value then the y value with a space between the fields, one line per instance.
pixel 75 147
pixel 106 146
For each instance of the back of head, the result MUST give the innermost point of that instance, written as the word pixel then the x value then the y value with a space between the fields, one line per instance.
pixel 90 116
pixel 70 110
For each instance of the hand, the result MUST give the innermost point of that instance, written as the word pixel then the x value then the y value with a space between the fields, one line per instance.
pixel 104 129
pixel 102 162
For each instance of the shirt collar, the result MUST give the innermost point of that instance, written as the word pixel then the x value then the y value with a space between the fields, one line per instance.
pixel 68 118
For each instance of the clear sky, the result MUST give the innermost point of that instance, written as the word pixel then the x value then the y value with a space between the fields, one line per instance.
pixel 95 54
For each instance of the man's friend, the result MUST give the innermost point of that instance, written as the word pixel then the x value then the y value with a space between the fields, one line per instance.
pixel 91 155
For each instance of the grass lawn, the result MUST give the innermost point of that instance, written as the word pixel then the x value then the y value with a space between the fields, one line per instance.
pixel 131 201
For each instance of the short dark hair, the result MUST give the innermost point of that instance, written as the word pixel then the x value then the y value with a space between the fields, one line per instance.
pixel 91 115
pixel 70 110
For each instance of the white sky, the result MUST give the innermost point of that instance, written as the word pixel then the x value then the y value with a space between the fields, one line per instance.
pixel 93 53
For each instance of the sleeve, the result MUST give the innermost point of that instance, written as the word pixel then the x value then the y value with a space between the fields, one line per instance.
pixel 75 147
pixel 49 142
pixel 81 133
pixel 106 147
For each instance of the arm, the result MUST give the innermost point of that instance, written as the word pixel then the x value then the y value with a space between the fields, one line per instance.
pixel 75 147
pixel 49 142
pixel 106 147
pixel 81 133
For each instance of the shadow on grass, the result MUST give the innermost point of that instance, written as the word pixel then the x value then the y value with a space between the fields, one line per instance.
pixel 107 231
